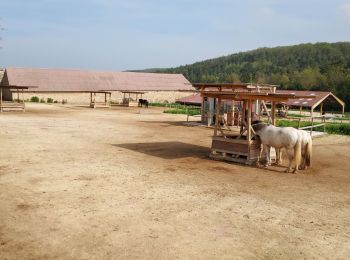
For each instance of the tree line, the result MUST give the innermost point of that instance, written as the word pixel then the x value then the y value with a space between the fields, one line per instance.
pixel 320 66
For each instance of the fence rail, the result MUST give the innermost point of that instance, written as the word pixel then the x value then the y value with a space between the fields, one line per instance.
pixel 313 125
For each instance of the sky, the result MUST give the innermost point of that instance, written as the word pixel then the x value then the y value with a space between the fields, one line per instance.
pixel 138 34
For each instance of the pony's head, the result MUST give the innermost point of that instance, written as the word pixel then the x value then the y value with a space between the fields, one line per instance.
pixel 258 125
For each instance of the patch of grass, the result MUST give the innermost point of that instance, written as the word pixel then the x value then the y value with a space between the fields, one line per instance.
pixel 190 112
pixel 331 128
pixel 286 123
pixel 296 115
pixel 49 100
pixel 340 129
pixel 42 100
pixel 34 99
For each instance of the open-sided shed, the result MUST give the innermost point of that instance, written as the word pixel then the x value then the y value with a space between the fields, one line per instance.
pixel 77 85
pixel 240 147
pixel 320 100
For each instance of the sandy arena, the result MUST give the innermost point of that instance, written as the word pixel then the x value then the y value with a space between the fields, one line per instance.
pixel 78 183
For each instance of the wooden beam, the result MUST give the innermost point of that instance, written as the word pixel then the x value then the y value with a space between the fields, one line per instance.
pixel 217 114
pixel 1 99
pixel 249 132
pixel 273 112
pixel 243 117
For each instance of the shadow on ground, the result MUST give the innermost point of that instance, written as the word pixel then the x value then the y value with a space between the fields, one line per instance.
pixel 168 150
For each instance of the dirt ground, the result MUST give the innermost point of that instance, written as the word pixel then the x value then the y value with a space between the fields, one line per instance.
pixel 78 183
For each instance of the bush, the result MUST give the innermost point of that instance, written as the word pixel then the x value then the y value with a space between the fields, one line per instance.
pixel 340 129
pixel 55 101
pixel 190 112
pixel 42 100
pixel 331 128
pixel 34 99
pixel 49 100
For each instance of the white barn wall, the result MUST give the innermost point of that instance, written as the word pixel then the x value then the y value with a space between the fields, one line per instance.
pixel 84 98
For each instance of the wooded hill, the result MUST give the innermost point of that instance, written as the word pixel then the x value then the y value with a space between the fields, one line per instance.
pixel 320 66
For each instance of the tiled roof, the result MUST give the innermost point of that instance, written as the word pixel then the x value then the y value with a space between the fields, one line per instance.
pixel 78 80
pixel 305 102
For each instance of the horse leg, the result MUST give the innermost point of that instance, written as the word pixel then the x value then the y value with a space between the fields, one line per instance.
pixel 290 158
pixel 259 156
pixel 297 155
pixel 278 156
pixel 268 159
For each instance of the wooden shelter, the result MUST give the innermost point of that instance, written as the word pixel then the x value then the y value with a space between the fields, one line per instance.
pixel 12 103
pixel 94 103
pixel 240 146
pixel 131 98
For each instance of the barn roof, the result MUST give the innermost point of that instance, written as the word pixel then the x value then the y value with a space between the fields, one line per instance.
pixel 319 97
pixel 62 80
pixel 194 99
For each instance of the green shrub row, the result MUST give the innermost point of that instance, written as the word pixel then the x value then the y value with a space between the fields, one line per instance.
pixel 190 112
pixel 37 100
pixel 331 128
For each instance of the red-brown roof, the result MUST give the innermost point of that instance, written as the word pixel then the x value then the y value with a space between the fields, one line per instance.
pixel 195 99
pixel 78 80
pixel 305 102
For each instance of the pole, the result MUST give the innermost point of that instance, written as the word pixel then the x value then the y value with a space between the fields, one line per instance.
pixel 217 113
pixel 1 99
pixel 273 112
pixel 249 133
pixel 243 116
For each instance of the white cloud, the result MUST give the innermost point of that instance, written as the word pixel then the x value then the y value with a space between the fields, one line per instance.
pixel 345 11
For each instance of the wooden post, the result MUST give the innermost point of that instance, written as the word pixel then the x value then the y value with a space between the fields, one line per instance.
pixel 90 99
pixel 217 114
pixel 301 109
pixel 1 99
pixel 202 110
pixel 249 132
pixel 24 105
pixel 18 95
pixel 321 109
pixel 324 122
pixel 94 99
pixel 273 112
pixel 312 125
pixel 243 116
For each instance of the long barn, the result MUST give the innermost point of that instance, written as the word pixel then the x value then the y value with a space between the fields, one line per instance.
pixel 75 86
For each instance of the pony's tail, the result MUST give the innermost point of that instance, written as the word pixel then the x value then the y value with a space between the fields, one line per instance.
pixel 297 152
pixel 308 153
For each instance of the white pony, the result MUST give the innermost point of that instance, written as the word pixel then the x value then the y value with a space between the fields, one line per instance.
pixel 306 150
pixel 280 137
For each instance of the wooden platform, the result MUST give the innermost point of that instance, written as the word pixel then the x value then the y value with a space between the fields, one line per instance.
pixel 238 150
pixel 12 106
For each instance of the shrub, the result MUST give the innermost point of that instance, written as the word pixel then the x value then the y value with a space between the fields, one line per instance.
pixel 55 101
pixel 42 100
pixel 340 129
pixel 34 99
pixel 49 100
pixel 183 111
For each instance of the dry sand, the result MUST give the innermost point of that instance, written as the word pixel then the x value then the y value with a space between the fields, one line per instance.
pixel 77 183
